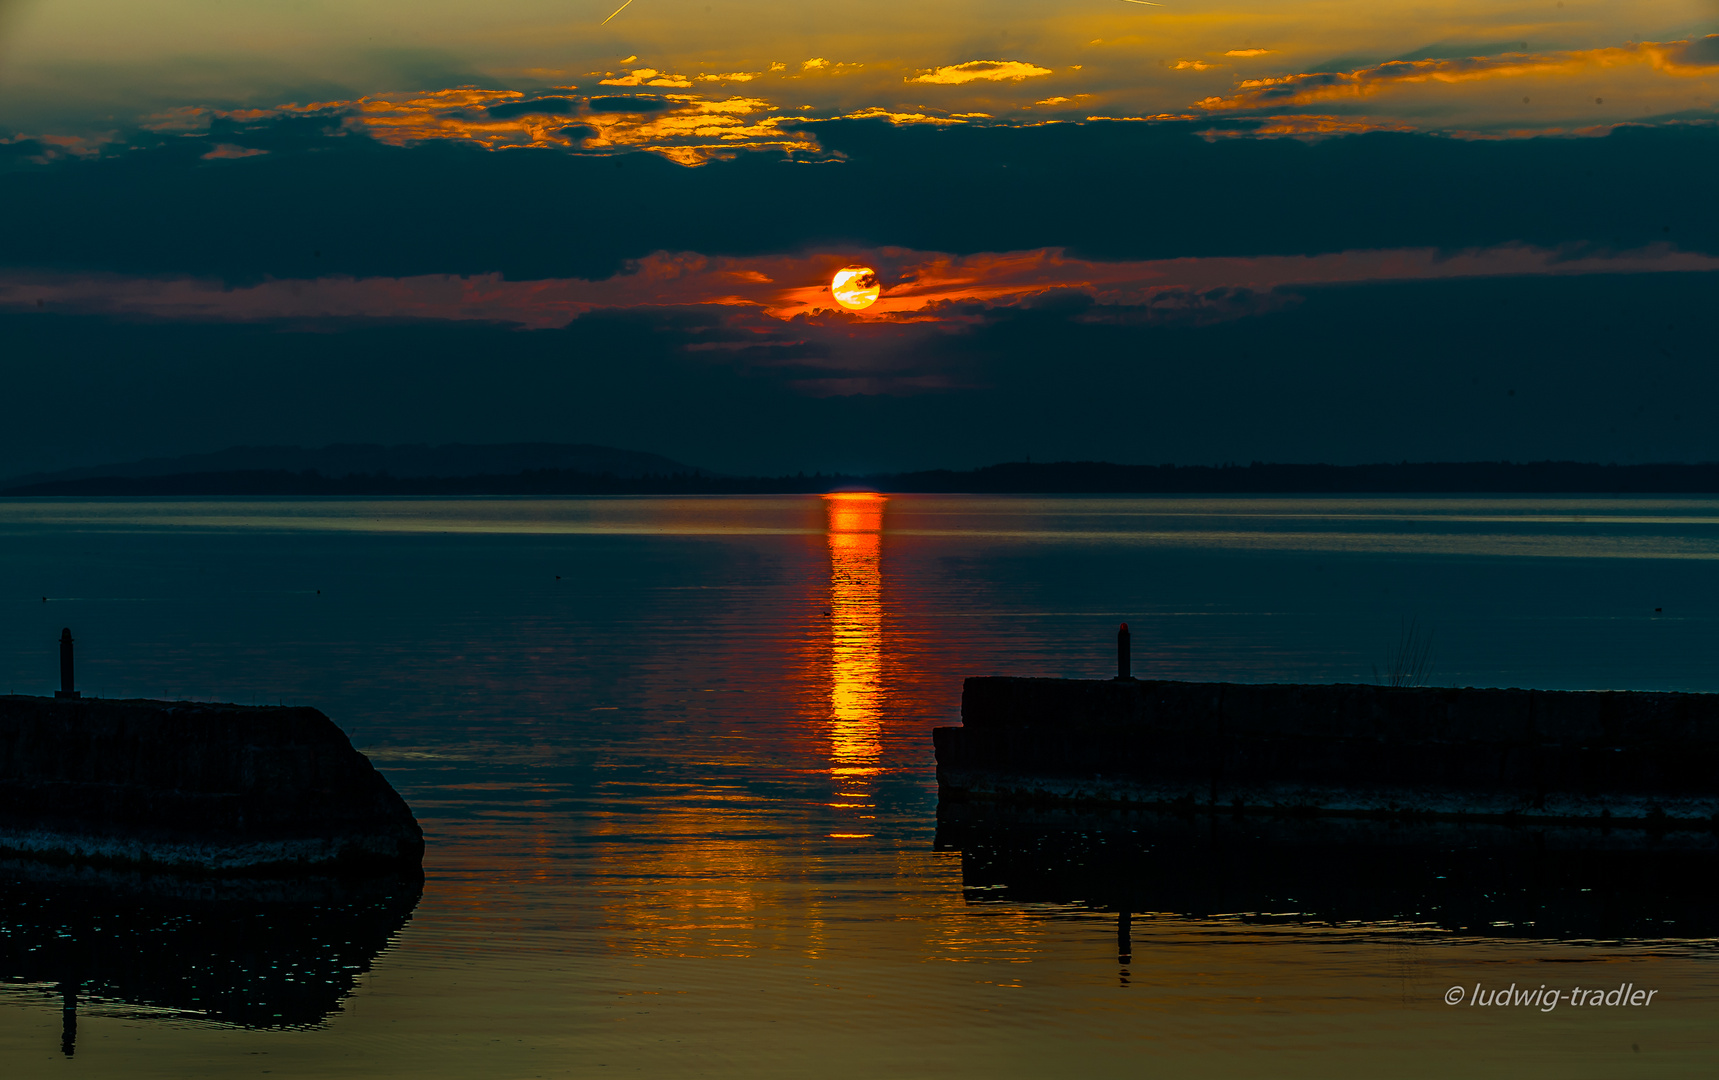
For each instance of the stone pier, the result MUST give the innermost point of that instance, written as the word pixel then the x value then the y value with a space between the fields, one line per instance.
pixel 1647 760
pixel 194 787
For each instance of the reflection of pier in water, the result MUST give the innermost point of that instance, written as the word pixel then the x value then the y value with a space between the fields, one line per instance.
pixel 1487 880
pixel 251 953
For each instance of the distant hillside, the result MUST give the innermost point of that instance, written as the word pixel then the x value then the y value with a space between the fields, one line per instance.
pixel 1066 477
pixel 450 460
pixel 1070 477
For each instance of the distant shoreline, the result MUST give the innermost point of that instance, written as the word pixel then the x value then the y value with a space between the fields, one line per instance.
pixel 1014 478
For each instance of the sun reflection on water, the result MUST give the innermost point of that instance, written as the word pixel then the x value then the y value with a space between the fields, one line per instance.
pixel 856 632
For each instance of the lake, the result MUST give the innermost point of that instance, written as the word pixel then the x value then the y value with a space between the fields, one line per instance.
pixel 673 762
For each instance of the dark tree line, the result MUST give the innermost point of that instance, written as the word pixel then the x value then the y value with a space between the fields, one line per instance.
pixel 1062 477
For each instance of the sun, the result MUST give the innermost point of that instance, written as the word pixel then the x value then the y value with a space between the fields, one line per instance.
pixel 855 287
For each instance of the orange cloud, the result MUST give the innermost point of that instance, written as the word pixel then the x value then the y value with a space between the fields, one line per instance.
pixel 185 118
pixel 54 147
pixel 1316 126
pixel 879 113
pixel 688 129
pixel 973 70
pixel 1697 57
pixel 646 77
pixel 228 150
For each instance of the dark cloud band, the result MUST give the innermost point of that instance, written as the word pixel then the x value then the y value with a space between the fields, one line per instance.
pixel 322 200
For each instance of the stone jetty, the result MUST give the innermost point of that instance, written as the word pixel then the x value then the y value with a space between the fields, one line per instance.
pixel 1646 760
pixel 195 788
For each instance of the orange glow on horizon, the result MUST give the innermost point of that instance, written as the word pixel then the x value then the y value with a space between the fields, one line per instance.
pixel 929 287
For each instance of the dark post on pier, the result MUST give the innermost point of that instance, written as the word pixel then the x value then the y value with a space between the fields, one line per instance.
pixel 1123 665
pixel 66 690
pixel 68 1018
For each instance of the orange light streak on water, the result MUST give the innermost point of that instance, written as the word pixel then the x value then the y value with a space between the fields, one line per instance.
pixel 856 631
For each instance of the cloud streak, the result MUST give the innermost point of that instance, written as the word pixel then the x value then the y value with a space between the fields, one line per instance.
pixel 689 129
pixel 919 287
pixel 1679 58
pixel 981 70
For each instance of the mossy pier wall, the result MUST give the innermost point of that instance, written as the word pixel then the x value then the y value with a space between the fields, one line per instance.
pixel 1647 759
pixel 195 787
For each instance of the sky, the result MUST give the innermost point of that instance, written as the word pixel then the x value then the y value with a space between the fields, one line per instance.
pixel 1190 232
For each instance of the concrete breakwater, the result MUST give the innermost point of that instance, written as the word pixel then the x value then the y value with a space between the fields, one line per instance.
pixel 195 787
pixel 1621 758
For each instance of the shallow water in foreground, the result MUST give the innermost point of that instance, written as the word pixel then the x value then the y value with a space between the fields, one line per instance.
pixel 673 760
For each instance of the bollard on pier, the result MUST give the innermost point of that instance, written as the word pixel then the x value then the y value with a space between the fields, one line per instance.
pixel 65 690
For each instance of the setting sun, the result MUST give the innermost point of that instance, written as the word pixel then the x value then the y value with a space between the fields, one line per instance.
pixel 855 287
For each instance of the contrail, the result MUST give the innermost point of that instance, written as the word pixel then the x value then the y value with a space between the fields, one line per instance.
pixel 623 7
pixel 1148 3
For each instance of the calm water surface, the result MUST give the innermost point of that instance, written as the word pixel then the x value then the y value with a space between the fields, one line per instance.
pixel 673 760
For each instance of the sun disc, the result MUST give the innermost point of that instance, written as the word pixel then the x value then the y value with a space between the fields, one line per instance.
pixel 855 287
